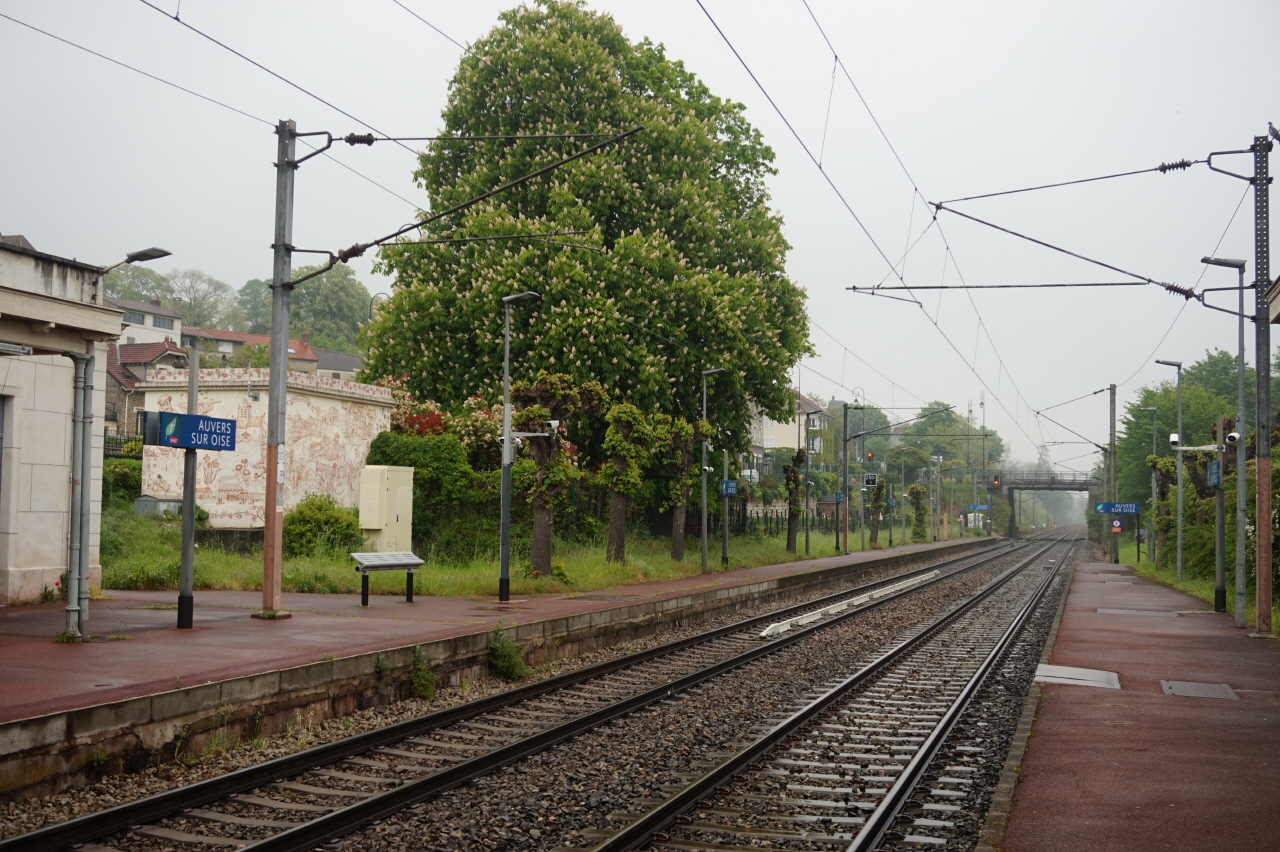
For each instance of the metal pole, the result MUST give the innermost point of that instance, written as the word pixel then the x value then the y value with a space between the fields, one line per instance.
pixel 281 272
pixel 807 461
pixel 508 456
pixel 1181 442
pixel 86 497
pixel 1219 527
pixel 982 404
pixel 73 549
pixel 1115 544
pixel 724 516
pixel 704 478
pixel 862 492
pixel 1151 545
pixel 844 450
pixel 1262 347
pixel 1242 496
pixel 186 570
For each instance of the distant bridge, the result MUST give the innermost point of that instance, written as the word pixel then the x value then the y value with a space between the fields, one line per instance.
pixel 1041 481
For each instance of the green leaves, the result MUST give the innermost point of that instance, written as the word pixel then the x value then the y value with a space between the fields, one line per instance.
pixel 687 270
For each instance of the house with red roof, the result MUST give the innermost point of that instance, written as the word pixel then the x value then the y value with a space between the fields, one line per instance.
pixel 127 364
pixel 302 358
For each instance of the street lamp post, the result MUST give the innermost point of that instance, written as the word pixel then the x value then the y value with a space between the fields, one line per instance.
pixel 705 373
pixel 508 446
pixel 1151 531
pixel 1178 366
pixel 1241 485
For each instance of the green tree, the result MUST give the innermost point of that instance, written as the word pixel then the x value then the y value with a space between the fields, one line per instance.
pixel 686 269
pixel 254 299
pixel 550 397
pixel 204 299
pixel 138 284
pixel 628 443
pixel 1200 410
pixel 675 440
pixel 918 494
pixel 794 475
pixel 331 306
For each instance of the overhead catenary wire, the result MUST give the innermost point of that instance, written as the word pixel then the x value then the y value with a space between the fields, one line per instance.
pixel 205 98
pixel 1163 168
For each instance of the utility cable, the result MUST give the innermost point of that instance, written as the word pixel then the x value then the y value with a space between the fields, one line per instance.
pixel 206 98
pixel 805 147
pixel 1077 399
pixel 864 361
pixel 1163 168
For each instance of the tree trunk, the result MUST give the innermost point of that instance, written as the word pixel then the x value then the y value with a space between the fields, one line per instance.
pixel 873 529
pixel 540 550
pixel 793 529
pixel 677 531
pixel 617 549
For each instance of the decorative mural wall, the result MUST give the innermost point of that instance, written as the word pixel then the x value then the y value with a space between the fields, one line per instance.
pixel 329 424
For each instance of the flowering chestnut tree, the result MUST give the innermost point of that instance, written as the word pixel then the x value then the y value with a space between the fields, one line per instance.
pixel 676 264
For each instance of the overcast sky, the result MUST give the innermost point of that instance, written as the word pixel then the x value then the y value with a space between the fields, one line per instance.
pixel 974 97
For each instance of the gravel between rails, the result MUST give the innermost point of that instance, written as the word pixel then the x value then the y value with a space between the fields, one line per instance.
pixel 563 796
pixel 19 817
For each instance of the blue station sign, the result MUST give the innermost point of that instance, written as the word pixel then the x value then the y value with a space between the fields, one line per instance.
pixel 979 507
pixel 190 431
pixel 728 487
pixel 1116 508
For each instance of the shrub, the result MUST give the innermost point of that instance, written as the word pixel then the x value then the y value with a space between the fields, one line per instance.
pixel 317 523
pixel 422 680
pixel 121 481
pixel 506 660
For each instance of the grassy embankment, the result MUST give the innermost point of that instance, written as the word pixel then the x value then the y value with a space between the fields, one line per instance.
pixel 1201 588
pixel 143 553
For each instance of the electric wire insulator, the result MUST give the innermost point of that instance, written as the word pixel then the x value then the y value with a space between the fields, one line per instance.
pixel 1184 292
pixel 1170 167
pixel 367 139
pixel 355 251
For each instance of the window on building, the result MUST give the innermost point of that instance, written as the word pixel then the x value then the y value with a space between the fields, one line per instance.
pixel 135 318
pixel 225 346
pixel 769 442
pixel 162 322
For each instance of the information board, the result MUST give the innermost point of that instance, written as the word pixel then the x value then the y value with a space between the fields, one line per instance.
pixel 728 487
pixel 1116 508
pixel 189 431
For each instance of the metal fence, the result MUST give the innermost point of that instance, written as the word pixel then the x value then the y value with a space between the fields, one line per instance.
pixel 122 445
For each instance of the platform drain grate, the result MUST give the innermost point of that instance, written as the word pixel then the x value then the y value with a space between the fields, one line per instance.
pixel 1198 690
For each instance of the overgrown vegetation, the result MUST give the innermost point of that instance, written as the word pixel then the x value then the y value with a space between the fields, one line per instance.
pixel 318 524
pixel 422 681
pixel 506 660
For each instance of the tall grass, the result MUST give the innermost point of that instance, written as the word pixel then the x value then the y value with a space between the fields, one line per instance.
pixel 1198 587
pixel 144 553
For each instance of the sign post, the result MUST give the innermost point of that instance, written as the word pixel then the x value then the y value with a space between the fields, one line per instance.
pixel 188 432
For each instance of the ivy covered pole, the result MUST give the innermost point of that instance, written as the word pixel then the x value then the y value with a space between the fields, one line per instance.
pixel 508 449
pixel 705 373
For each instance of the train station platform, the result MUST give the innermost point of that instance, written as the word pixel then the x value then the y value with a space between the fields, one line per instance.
pixel 137 649
pixel 1151 765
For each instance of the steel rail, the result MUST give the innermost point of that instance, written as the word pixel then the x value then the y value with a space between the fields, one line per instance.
pixel 644 829
pixel 93 826
pixel 882 818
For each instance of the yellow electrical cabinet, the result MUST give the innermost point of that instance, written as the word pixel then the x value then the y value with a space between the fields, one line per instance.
pixel 386 507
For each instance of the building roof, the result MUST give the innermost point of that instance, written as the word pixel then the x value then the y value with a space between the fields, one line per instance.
pixel 808 406
pixel 342 362
pixel 119 354
pixel 298 350
pixel 20 245
pixel 142 307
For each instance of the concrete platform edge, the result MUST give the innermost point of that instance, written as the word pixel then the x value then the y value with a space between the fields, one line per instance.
pixel 46 754
pixel 991 837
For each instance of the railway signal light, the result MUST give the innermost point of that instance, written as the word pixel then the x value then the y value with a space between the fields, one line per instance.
pixel 995 481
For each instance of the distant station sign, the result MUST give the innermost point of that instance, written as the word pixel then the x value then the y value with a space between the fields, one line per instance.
pixel 979 507
pixel 729 487
pixel 839 496
pixel 869 480
pixel 1213 476
pixel 189 431
pixel 1116 508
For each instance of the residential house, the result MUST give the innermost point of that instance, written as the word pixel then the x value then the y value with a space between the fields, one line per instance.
pixel 127 364
pixel 147 322
pixel 775 434
pixel 337 365
pixel 302 358
pixel 52 317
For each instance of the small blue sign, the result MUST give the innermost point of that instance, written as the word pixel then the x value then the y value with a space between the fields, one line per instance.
pixel 1116 508
pixel 979 507
pixel 1214 474
pixel 839 496
pixel 728 487
pixel 197 432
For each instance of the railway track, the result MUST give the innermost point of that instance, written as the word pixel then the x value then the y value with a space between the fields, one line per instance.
pixel 302 800
pixel 861 766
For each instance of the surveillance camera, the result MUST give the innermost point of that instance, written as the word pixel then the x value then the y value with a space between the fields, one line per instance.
pixel 1173 439
pixel 555 425
pixel 1232 438
pixel 708 470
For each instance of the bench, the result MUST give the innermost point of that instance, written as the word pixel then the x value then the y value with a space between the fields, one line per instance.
pixel 366 562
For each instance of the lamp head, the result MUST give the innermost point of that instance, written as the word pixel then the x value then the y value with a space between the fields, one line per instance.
pixel 527 295
pixel 152 253
pixel 1229 262
pixel 1177 364
pixel 713 372
pixel 1149 408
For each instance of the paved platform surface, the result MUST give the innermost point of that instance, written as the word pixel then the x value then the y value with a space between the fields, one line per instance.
pixel 1133 768
pixel 138 650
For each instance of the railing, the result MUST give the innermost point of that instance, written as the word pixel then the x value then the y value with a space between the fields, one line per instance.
pixel 122 445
